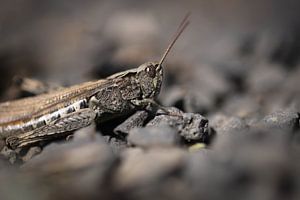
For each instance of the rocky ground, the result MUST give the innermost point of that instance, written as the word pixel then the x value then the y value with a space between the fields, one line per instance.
pixel 231 82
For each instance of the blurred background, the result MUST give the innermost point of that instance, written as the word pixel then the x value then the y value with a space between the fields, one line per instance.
pixel 230 47
pixel 237 64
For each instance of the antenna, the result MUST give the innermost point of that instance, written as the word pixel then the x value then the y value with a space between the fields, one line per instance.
pixel 184 23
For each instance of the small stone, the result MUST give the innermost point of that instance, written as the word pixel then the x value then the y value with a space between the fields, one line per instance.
pixel 197 172
pixel 243 106
pixel 153 136
pixel 172 96
pixel 79 168
pixel 136 120
pixel 70 155
pixel 197 147
pixel 9 154
pixel 225 124
pixel 190 126
pixel 140 169
pixel 33 151
pixel 85 133
pixel 284 120
pixel 117 145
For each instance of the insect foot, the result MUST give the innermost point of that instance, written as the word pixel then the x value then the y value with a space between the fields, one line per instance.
pixel 12 142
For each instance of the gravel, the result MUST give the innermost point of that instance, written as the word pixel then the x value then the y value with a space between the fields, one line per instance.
pixel 229 127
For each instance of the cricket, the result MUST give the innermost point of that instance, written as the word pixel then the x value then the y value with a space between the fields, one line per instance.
pixel 30 120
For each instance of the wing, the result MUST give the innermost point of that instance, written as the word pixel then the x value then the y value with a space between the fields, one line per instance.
pixel 32 107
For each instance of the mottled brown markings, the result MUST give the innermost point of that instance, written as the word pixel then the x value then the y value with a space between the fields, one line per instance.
pixel 77 106
pixel 34 107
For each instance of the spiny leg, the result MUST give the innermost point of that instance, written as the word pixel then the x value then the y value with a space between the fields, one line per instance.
pixel 57 128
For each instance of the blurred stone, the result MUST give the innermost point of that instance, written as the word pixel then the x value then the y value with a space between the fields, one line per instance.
pixel 205 86
pixel 173 96
pixel 235 71
pixel 85 133
pixel 197 171
pixel 68 156
pixel 153 136
pixel 117 145
pixel 265 78
pixel 33 151
pixel 136 120
pixel 2 143
pixel 284 120
pixel 287 51
pixel 145 169
pixel 9 154
pixel 254 164
pixel 190 126
pixel 243 106
pixel 75 168
pixel 13 182
pixel 226 124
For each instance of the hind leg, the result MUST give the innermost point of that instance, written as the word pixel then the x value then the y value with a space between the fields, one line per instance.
pixel 55 129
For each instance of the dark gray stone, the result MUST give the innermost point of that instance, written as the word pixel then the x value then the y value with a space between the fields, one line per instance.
pixel 136 120
pixel 116 144
pixel 191 126
pixel 226 124
pixel 284 120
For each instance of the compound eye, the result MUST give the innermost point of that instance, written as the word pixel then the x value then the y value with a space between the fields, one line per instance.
pixel 151 71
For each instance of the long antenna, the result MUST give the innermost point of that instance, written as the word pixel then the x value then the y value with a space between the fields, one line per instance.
pixel 184 23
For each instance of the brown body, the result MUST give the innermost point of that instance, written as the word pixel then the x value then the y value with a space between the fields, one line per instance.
pixel 43 117
pixel 33 119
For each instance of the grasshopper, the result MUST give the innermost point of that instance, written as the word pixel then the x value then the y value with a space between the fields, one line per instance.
pixel 46 116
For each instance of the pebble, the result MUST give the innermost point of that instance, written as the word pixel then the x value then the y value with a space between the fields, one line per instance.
pixel 9 154
pixel 153 136
pixel 117 145
pixel 282 119
pixel 140 169
pixel 75 168
pixel 33 151
pixel 243 106
pixel 225 124
pixel 136 120
pixel 190 126
pixel 71 155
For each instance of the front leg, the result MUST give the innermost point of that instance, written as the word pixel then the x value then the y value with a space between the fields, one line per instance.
pixel 146 102
pixel 55 129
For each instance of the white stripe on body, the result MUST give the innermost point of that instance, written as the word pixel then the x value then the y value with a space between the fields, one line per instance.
pixel 44 120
